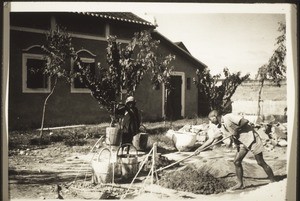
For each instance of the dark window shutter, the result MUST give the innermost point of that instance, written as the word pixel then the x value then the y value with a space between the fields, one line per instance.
pixel 35 77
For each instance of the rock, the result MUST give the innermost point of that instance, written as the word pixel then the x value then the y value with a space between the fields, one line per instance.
pixel 201 138
pixel 278 133
pixel 282 143
pixel 185 128
pixel 22 152
pixel 184 141
pixel 170 134
pixel 274 142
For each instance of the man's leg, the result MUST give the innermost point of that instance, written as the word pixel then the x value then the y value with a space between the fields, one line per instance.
pixel 242 151
pixel 261 162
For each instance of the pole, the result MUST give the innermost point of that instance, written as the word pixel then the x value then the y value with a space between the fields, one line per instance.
pixel 191 155
pixel 153 162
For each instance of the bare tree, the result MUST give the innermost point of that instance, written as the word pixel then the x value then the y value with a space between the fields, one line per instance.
pixel 219 92
pixel 275 69
pixel 58 49
pixel 126 69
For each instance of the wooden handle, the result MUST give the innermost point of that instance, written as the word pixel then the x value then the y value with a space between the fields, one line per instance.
pixel 100 152
pixel 172 164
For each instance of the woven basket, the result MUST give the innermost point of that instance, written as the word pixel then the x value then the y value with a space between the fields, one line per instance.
pixel 102 168
pixel 127 164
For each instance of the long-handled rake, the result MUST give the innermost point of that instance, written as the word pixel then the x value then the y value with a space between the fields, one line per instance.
pixel 191 155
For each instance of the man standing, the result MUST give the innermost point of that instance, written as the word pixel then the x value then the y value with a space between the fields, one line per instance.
pixel 245 138
pixel 130 122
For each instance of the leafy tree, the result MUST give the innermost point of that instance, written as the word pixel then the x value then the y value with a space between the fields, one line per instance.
pixel 275 69
pixel 58 48
pixel 219 91
pixel 126 69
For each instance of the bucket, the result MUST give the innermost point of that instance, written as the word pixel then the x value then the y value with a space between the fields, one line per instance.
pixel 113 136
pixel 102 168
pixel 140 141
pixel 127 164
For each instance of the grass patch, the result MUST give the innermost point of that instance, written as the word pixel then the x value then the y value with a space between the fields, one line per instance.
pixel 88 134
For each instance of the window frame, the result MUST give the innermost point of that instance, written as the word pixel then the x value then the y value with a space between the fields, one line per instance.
pixel 25 89
pixel 81 90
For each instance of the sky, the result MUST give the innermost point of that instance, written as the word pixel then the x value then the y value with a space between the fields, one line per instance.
pixel 240 42
pixel 239 37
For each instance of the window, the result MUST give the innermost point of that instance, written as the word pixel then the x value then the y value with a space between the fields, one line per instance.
pixel 34 81
pixel 188 83
pixel 78 85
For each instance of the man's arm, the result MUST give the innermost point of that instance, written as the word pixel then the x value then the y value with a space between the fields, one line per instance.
pixel 205 144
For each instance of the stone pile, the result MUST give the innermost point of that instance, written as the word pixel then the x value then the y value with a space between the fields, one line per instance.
pixel 273 135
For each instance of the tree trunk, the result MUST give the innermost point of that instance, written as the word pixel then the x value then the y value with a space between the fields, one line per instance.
pixel 165 106
pixel 259 98
pixel 44 109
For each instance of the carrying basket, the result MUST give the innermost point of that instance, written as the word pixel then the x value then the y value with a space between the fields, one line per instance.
pixel 102 167
pixel 113 136
pixel 127 164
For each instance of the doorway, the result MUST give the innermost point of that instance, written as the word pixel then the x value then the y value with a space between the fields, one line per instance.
pixel 174 99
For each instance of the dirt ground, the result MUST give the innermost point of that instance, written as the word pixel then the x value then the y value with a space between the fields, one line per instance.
pixel 39 173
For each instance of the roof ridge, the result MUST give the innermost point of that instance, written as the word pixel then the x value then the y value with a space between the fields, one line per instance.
pixel 120 16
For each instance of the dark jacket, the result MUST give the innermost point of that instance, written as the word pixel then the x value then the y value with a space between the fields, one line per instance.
pixel 130 123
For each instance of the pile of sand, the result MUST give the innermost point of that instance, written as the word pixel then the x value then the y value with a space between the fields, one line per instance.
pixel 191 180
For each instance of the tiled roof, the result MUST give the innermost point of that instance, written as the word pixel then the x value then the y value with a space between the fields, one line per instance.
pixel 119 16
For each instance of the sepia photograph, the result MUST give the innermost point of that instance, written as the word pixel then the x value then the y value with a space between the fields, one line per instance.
pixel 138 101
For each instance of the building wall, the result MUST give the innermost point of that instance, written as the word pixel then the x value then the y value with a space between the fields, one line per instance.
pixel 274 98
pixel 66 108
pixel 268 107
pixel 63 108
pixel 182 65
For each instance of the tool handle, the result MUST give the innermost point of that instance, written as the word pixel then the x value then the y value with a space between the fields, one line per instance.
pixel 101 151
pixel 191 155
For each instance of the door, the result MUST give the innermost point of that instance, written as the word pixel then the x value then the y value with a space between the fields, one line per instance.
pixel 203 106
pixel 174 99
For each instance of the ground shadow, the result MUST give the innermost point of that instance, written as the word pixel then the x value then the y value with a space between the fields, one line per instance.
pixel 276 177
pixel 44 177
